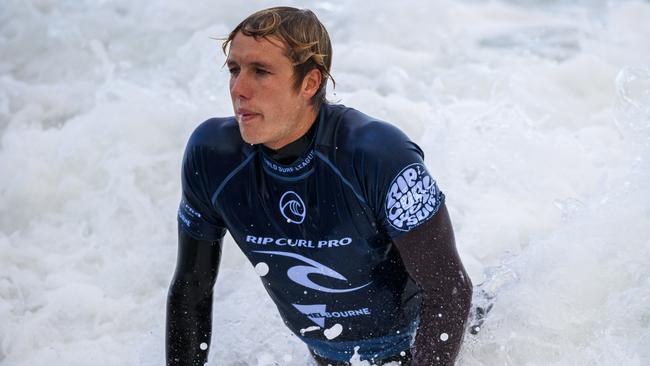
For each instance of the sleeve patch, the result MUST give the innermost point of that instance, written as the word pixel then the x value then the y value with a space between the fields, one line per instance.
pixel 194 223
pixel 412 198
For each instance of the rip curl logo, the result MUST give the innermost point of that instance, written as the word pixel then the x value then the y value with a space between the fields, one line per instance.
pixel 293 208
pixel 412 198
pixel 300 274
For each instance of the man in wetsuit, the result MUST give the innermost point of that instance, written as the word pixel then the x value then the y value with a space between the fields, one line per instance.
pixel 336 210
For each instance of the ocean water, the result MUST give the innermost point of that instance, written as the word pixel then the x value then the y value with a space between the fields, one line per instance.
pixel 534 117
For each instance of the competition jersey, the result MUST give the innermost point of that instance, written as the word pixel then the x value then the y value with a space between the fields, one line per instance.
pixel 319 231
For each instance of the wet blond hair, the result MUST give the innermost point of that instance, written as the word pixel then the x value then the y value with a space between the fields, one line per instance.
pixel 307 43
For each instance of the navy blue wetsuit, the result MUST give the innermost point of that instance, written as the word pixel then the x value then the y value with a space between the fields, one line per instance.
pixel 322 228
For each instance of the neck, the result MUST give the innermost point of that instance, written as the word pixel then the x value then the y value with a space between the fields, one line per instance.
pixel 292 151
pixel 306 121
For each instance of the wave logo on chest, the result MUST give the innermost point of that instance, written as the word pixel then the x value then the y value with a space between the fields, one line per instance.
pixel 300 274
pixel 293 207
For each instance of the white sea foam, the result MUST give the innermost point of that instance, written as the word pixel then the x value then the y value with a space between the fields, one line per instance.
pixel 534 117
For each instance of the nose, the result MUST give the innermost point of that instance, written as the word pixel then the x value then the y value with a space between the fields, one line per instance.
pixel 240 87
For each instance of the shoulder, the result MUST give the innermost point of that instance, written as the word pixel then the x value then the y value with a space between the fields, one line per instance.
pixel 361 134
pixel 215 148
pixel 217 135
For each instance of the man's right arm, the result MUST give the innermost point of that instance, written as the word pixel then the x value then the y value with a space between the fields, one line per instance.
pixel 189 302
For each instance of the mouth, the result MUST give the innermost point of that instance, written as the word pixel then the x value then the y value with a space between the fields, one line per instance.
pixel 244 115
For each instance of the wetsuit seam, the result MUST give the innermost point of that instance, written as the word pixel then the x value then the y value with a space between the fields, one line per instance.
pixel 230 176
pixel 338 172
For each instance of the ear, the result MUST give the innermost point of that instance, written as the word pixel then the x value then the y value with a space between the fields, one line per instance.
pixel 311 83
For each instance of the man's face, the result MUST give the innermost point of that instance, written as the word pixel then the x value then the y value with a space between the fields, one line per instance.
pixel 268 108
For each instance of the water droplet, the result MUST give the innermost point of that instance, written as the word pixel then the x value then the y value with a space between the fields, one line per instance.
pixel 333 332
pixel 309 329
pixel 262 269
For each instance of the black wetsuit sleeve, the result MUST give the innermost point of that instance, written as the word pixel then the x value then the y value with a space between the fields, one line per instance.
pixel 431 259
pixel 189 301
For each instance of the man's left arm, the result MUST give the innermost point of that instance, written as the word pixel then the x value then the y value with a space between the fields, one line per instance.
pixel 431 259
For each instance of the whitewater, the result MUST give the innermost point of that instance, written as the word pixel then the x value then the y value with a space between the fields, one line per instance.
pixel 534 117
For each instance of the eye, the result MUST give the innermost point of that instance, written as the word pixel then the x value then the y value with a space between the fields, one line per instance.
pixel 233 70
pixel 261 71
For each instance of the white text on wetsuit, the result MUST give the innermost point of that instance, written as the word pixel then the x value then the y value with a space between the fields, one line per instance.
pixel 291 169
pixel 314 244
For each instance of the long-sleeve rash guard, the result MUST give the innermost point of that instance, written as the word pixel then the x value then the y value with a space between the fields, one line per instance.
pixel 353 235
